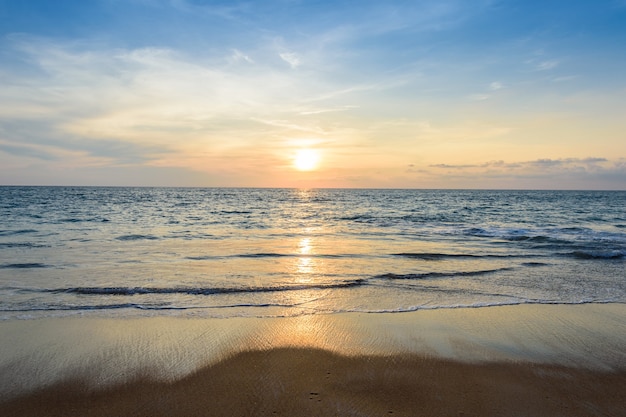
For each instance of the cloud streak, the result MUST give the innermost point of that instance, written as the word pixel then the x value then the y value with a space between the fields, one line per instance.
pixel 571 173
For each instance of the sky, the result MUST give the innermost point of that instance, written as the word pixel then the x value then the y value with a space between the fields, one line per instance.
pixel 514 94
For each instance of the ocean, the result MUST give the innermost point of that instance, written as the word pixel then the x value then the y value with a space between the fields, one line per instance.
pixel 222 252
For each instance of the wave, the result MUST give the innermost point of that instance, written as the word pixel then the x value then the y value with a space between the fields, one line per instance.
pixel 129 291
pixel 24 265
pixel 138 306
pixel 535 264
pixel 563 235
pixel 79 220
pixel 16 232
pixel 536 239
pixel 426 275
pixel 235 212
pixel 22 245
pixel 261 255
pixel 136 237
pixel 95 307
pixel 483 305
pixel 522 235
pixel 359 218
pixel 429 256
pixel 268 255
pixel 597 254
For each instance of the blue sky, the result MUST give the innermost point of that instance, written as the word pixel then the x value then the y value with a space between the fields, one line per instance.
pixel 417 94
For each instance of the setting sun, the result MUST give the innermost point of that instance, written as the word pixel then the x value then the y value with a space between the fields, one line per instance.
pixel 306 160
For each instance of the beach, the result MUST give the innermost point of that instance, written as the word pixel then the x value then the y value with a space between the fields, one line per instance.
pixel 525 360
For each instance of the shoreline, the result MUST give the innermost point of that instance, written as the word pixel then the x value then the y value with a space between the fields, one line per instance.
pixel 471 359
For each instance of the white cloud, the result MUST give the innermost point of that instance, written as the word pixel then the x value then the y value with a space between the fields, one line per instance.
pixel 291 58
pixel 240 56
pixel 157 105
pixel 327 110
pixel 547 65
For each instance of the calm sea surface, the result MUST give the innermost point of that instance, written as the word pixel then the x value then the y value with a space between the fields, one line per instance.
pixel 121 252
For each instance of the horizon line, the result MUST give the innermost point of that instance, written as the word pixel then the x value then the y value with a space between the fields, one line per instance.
pixel 311 188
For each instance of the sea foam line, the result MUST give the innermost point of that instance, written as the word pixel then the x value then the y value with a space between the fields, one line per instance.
pixel 126 291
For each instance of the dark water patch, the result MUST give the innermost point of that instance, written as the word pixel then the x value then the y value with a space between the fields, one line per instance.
pixel 292 255
pixel 554 236
pixel 575 229
pixel 234 212
pixel 130 291
pixel 71 220
pixel 359 218
pixel 597 254
pixel 428 256
pixel 136 237
pixel 241 255
pixel 16 232
pixel 83 220
pixel 621 226
pixel 29 265
pixel 137 306
pixel 435 256
pixel 22 245
pixel 261 255
pixel 477 231
pixel 95 307
pixel 271 255
pixel 80 239
pixel 535 264
pixel 427 275
pixel 536 239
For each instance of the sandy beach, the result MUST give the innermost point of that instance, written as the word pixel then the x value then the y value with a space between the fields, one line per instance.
pixel 505 361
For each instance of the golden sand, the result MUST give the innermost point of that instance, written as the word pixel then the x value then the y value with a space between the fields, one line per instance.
pixel 505 361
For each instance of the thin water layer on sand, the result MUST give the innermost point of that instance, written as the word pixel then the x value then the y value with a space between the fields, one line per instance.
pixel 104 352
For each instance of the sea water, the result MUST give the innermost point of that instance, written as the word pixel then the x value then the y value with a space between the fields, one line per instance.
pixel 220 252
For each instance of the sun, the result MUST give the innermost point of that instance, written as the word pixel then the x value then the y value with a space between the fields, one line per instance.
pixel 306 160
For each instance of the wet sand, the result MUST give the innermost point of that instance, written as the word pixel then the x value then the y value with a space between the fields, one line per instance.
pixel 309 382
pixel 505 361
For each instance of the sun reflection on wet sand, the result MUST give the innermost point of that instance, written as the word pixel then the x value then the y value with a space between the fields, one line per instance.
pixel 96 349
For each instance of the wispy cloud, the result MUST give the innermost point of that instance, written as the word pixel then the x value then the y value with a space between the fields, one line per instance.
pixel 576 171
pixel 156 104
pixel 571 173
pixel 238 56
pixel 29 151
pixel 542 164
pixel 291 58
pixel 328 110
pixel 478 97
pixel 547 65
